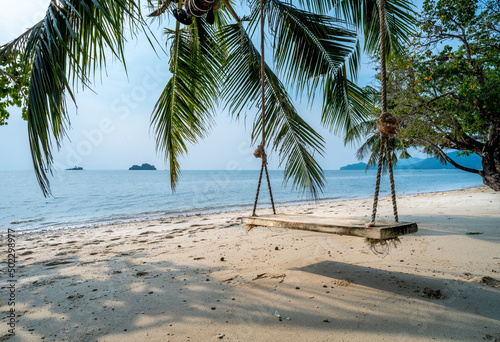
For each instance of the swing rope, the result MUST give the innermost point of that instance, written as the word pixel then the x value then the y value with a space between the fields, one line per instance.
pixel 260 151
pixel 386 125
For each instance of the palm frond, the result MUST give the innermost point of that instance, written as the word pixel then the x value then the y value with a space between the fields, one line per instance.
pixel 359 132
pixel 345 105
pixel 372 146
pixel 400 21
pixel 184 112
pixel 317 6
pixel 289 134
pixel 308 45
pixel 64 50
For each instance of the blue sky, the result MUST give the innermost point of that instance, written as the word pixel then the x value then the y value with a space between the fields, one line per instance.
pixel 110 129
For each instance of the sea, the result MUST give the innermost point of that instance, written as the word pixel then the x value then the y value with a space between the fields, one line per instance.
pixel 92 198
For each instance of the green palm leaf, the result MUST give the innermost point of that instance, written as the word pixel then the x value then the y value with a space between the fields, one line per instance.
pixel 308 45
pixel 184 112
pixel 62 51
pixel 400 22
pixel 314 49
pixel 345 105
pixel 290 135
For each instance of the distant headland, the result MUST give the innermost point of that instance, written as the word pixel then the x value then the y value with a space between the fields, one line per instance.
pixel 473 161
pixel 144 166
pixel 76 168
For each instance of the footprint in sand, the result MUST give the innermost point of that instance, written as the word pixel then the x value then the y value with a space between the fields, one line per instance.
pixel 57 262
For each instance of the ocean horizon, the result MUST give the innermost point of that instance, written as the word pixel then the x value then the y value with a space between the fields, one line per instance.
pixel 91 197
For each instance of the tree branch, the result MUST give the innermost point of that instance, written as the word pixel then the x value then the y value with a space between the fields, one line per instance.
pixel 12 77
pixel 448 159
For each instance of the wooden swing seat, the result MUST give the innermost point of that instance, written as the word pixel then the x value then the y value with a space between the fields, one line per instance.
pixel 331 225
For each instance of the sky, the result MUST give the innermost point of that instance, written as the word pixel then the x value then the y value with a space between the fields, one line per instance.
pixel 110 127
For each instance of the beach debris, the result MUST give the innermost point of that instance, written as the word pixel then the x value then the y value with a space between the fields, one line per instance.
pixel 179 246
pixel 77 296
pixel 344 282
pixel 199 258
pixel 430 293
pixel 276 248
pixel 221 335
pixel 490 281
pixel 297 288
pixel 474 233
pixel 288 318
pixel 56 262
pixel 213 308
pixel 382 246
pixel 222 259
pixel 270 276
pixel 229 279
pixel 491 338
pixel 277 314
pixel 326 320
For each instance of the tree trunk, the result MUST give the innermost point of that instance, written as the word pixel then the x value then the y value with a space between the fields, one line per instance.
pixel 490 173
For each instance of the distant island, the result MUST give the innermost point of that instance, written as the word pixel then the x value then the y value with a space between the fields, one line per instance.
pixel 144 166
pixel 77 168
pixel 473 161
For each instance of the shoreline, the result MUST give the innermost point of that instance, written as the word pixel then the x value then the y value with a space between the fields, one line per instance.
pixel 187 214
pixel 205 278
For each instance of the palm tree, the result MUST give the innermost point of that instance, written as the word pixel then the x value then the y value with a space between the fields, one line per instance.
pixel 213 65
pixel 367 134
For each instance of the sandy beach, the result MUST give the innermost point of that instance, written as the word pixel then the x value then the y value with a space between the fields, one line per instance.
pixel 205 278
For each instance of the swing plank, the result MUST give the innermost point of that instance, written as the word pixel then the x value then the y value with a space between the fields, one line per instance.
pixel 331 225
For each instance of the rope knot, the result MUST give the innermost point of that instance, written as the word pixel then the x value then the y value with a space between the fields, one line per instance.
pixel 260 153
pixel 387 124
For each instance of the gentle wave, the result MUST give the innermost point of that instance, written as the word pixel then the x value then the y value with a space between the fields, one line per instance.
pixel 96 198
pixel 27 220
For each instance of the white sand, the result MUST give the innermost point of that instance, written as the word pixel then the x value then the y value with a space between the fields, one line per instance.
pixel 166 280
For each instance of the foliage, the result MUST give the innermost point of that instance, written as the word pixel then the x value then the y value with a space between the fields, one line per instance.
pixel 62 51
pixel 13 87
pixel 212 66
pixel 446 91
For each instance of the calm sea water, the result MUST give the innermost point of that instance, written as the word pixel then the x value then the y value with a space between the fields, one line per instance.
pixel 87 198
